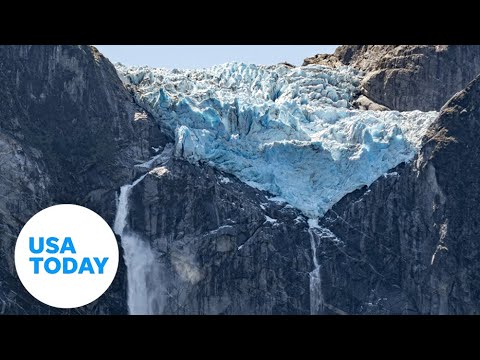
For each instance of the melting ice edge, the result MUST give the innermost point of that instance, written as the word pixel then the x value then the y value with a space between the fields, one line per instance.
pixel 291 131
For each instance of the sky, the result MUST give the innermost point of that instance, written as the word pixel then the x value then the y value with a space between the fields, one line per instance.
pixel 199 56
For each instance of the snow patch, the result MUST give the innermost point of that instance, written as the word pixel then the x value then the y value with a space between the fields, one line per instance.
pixel 298 220
pixel 270 220
pixel 224 180
pixel 160 171
pixel 139 116
pixel 220 228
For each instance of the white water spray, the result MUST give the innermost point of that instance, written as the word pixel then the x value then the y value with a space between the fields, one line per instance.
pixel 122 207
pixel 143 275
pixel 316 296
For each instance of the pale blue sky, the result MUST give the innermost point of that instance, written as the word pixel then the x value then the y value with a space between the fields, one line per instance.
pixel 198 56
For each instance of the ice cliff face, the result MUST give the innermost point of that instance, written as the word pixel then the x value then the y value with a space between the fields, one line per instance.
pixel 290 131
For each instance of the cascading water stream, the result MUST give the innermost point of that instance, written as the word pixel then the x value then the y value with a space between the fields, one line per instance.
pixel 316 296
pixel 122 207
pixel 143 275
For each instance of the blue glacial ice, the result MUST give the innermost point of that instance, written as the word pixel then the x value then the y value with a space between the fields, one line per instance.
pixel 290 131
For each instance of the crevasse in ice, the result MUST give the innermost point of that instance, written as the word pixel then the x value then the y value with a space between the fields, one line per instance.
pixel 290 131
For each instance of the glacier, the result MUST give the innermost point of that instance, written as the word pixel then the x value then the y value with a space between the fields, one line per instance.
pixel 292 131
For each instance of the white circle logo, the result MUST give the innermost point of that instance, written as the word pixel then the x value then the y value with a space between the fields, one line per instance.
pixel 66 256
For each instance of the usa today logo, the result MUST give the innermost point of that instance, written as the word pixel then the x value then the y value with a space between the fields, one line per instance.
pixel 66 256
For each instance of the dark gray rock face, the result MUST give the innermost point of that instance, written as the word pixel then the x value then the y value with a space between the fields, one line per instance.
pixel 409 243
pixel 222 246
pixel 408 77
pixel 69 133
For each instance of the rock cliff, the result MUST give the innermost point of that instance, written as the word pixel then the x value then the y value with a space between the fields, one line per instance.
pixel 221 246
pixel 408 244
pixel 69 133
pixel 408 77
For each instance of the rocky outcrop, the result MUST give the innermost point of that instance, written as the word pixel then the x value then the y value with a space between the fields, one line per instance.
pixel 221 246
pixel 408 244
pixel 69 133
pixel 408 77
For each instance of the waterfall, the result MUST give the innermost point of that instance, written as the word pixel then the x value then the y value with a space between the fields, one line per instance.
pixel 316 296
pixel 144 283
pixel 120 222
